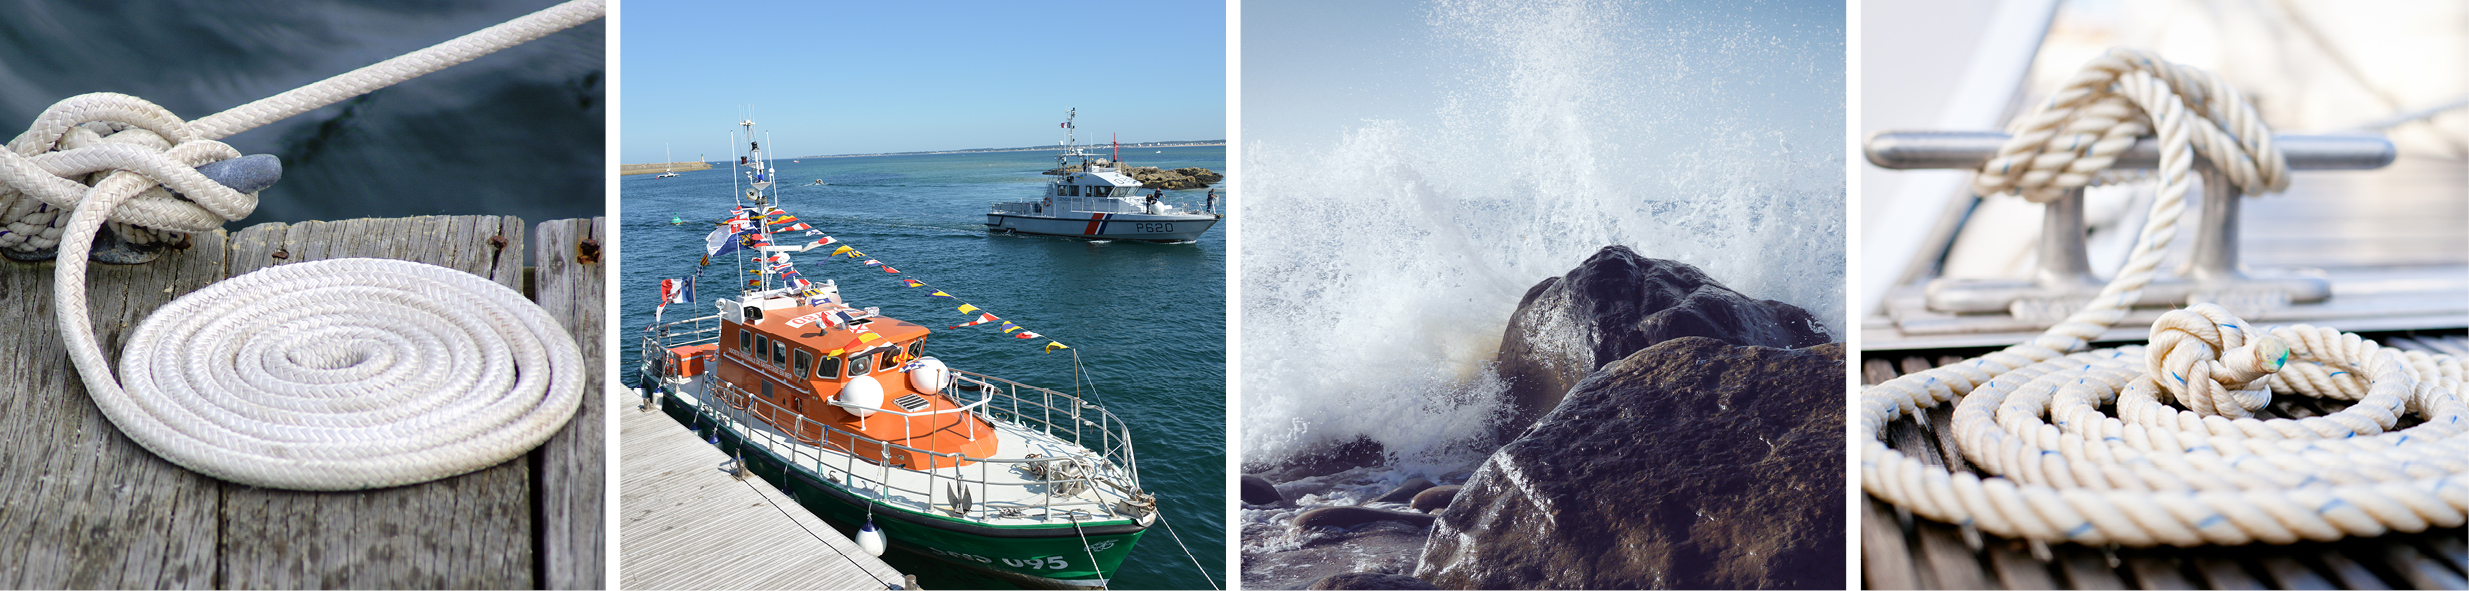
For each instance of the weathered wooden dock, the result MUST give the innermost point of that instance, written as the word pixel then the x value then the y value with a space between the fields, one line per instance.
pixel 688 524
pixel 1900 551
pixel 85 507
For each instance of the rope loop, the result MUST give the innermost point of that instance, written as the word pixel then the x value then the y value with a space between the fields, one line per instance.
pixel 2213 361
pixel 342 374
pixel 2080 130
pixel 2062 469
pixel 78 144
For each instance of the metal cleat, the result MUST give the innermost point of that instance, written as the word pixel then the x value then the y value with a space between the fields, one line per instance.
pixel 2063 280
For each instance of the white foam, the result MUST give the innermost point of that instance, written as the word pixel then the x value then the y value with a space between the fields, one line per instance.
pixel 1380 266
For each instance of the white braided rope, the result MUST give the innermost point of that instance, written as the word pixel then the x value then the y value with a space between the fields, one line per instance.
pixel 2156 474
pixel 328 375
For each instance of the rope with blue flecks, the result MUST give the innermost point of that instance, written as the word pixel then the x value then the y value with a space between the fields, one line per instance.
pixel 2207 473
pixel 328 375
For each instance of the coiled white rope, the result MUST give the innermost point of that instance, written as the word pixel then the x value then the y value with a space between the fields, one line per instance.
pixel 2154 474
pixel 328 375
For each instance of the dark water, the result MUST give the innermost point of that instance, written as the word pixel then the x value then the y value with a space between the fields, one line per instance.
pixel 1148 320
pixel 518 132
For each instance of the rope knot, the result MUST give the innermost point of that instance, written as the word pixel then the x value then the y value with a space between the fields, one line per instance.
pixel 2212 362
pixel 123 146
pixel 2084 126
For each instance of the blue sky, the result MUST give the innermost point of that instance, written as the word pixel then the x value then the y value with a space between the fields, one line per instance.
pixel 865 77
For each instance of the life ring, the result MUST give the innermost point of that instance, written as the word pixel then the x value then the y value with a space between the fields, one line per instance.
pixel 1049 201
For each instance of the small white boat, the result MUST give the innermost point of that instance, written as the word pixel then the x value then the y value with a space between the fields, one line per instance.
pixel 669 169
pixel 1098 202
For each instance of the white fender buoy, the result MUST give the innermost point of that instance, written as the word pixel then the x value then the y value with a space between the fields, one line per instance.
pixel 870 538
pixel 930 375
pixel 862 395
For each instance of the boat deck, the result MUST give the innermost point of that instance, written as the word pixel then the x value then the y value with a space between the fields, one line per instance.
pixel 685 521
pixel 1901 551
pixel 1007 496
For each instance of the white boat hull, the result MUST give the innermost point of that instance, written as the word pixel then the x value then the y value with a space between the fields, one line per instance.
pixel 1107 226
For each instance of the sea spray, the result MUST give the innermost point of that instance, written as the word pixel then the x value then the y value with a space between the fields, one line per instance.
pixel 1380 268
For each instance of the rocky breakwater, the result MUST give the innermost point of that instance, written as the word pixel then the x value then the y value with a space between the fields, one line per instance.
pixel 1691 464
pixel 1151 177
pixel 1663 431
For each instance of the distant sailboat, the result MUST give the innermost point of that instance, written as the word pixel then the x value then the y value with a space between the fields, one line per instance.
pixel 668 168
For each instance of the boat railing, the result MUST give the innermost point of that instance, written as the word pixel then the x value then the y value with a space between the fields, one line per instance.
pixel 1047 410
pixel 692 331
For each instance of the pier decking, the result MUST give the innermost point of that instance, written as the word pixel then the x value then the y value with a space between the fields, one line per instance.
pixel 688 525
pixel 85 507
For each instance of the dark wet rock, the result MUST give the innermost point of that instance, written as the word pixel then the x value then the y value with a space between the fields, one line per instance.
pixel 1434 498
pixel 1617 303
pixel 1258 491
pixel 1345 517
pixel 1690 464
pixel 1371 581
pixel 1320 460
pixel 1404 492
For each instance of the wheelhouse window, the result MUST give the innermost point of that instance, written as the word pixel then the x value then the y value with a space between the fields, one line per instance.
pixel 804 360
pixel 1100 191
pixel 762 347
pixel 917 348
pixel 829 369
pixel 745 340
pixel 890 359
pixel 1071 190
pixel 861 363
pixel 780 354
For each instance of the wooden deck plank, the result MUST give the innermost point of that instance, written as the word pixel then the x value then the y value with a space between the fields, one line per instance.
pixel 2087 569
pixel 2017 569
pixel 681 511
pixel 1886 558
pixel 571 467
pixel 89 508
pixel 468 531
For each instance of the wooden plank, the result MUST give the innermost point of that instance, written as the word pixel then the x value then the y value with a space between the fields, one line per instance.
pixel 85 506
pixel 2222 573
pixel 571 467
pixel 2293 574
pixel 2087 569
pixel 1885 558
pixel 2157 570
pixel 2351 574
pixel 2017 569
pixel 679 507
pixel 468 531
pixel 2421 571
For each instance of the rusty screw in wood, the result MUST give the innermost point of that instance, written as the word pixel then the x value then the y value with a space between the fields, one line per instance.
pixel 587 251
pixel 282 254
pixel 498 241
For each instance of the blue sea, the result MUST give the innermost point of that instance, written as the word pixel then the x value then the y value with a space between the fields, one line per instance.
pixel 1148 320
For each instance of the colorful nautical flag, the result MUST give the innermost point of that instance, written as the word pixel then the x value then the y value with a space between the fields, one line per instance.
pixel 1051 346
pixel 1008 327
pixel 1025 335
pixel 801 282
pixel 754 283
pixel 820 241
pixel 843 248
pixel 722 241
pixel 783 219
pixel 797 227
pixel 889 269
pixel 981 319
pixel 814 232
pixel 676 291
pixel 873 263
pixel 778 267
pixel 915 283
pixel 967 308
pixel 939 294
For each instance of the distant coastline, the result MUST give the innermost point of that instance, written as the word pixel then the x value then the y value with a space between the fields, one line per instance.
pixel 1173 144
